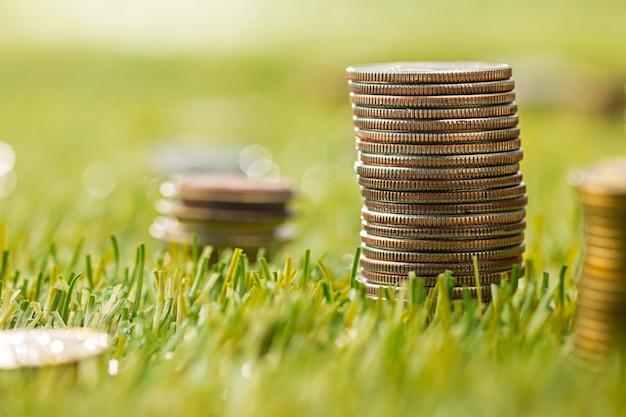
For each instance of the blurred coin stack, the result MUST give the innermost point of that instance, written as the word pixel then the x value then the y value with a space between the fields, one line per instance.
pixel 601 324
pixel 438 164
pixel 224 210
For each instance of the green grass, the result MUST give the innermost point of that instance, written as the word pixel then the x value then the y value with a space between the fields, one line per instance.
pixel 292 336
pixel 242 339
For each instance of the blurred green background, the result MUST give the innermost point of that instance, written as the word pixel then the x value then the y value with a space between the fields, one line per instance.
pixel 84 83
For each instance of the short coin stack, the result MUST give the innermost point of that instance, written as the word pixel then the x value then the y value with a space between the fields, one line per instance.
pixel 600 324
pixel 438 164
pixel 224 210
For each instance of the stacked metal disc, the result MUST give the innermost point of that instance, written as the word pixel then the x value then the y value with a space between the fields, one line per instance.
pixel 601 324
pixel 224 210
pixel 438 164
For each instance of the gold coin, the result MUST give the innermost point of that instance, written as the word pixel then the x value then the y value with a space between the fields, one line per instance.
pixel 602 272
pixel 440 161
pixel 441 209
pixel 449 101
pixel 440 257
pixel 601 305
pixel 606 263
pixel 435 149
pixel 474 196
pixel 614 212
pixel 607 202
pixel 609 297
pixel 588 341
pixel 437 125
pixel 440 245
pixel 444 185
pixel 399 89
pixel 615 286
pixel 603 315
pixel 598 254
pixel 601 326
pixel 430 281
pixel 454 173
pixel 428 72
pixel 618 223
pixel 604 232
pixel 454 113
pixel 436 268
pixel 604 180
pixel 475 232
pixel 443 138
pixel 391 219
pixel 614 243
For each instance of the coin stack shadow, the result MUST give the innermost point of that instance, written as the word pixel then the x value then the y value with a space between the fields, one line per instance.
pixel 600 324
pixel 224 210
pixel 438 165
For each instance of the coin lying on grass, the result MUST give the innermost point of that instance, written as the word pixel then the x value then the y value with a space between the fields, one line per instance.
pixel 49 347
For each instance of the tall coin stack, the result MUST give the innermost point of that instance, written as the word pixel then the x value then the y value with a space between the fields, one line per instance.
pixel 438 164
pixel 224 210
pixel 600 324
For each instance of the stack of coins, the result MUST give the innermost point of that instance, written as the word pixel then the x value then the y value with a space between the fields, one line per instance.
pixel 600 324
pixel 224 210
pixel 438 164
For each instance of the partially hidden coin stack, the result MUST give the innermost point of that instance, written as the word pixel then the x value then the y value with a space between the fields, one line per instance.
pixel 438 165
pixel 224 210
pixel 600 324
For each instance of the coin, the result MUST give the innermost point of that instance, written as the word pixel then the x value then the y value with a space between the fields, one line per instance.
pixel 190 212
pixel 604 180
pixel 590 323
pixel 471 208
pixel 436 125
pixel 172 230
pixel 445 138
pixel 455 113
pixel 477 232
pixel 456 293
pixel 428 72
pixel 49 347
pixel 435 149
pixel 601 295
pixel 440 161
pixel 610 282
pixel 604 305
pixel 443 185
pixel 394 279
pixel 226 188
pixel 474 196
pixel 614 264
pixel 605 242
pixel 449 101
pixel 440 245
pixel 412 173
pixel 391 219
pixel 396 89
pixel 440 257
pixel 434 268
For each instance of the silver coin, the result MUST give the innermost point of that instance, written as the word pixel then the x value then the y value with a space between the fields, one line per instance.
pixel 454 113
pixel 450 173
pixel 425 102
pixel 398 89
pixel 443 138
pixel 428 72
